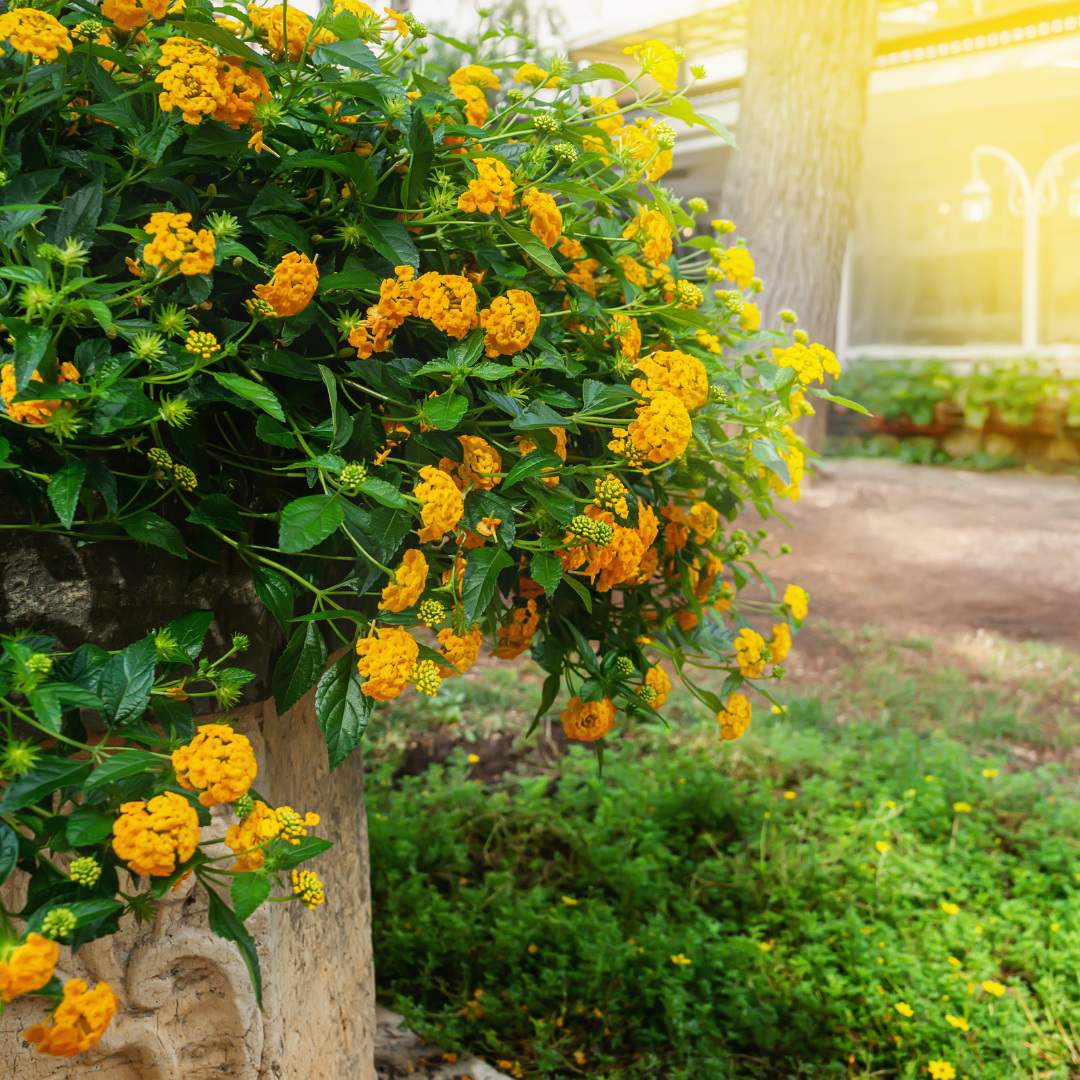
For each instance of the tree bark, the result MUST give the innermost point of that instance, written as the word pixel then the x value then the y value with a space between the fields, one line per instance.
pixel 791 190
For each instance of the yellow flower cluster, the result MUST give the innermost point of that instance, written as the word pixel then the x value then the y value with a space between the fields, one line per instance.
pixel 448 301
pixel 190 79
pixel 621 560
pixel 178 247
pixel 627 332
pixel 394 306
pixel 218 762
pixel 525 446
pixel 262 825
pixel 533 75
pixel 748 646
pixel 407 584
pixel 657 678
pixel 37 33
pixel 587 720
pixel 32 412
pixel 441 503
pixel 793 458
pixel 516 636
pixel 280 28
pixel 492 189
pixel 660 433
pixel 151 837
pixel 509 323
pixel 652 231
pixel 27 967
pixel 479 459
pixel 293 285
pixel 780 642
pixel 809 361
pixel 704 521
pixel 737 265
pixel 657 60
pixel 796 599
pixel 468 84
pixel 387 662
pixel 308 888
pixel 677 372
pixel 545 218
pixel 77 1023
pixel 734 718
pixel 609 493
pixel 461 650
pixel 639 141
pixel 132 14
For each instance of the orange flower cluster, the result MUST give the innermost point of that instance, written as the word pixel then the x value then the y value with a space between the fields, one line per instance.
pixel 448 301
pixel 279 30
pixel 677 372
pixel 200 83
pixel 748 647
pixel 28 967
pixel 652 230
pixel 628 334
pixel 394 306
pixel 151 837
pixel 492 190
pixel 32 412
pixel 660 433
pixel 618 561
pixel 178 247
pixel 262 825
pixel 734 718
pixel 441 503
pixel 218 762
pixel 461 650
pixel 588 720
pixel 387 662
pixel 517 634
pixel 293 285
pixel 132 14
pixel 704 520
pixel 407 584
pixel 37 33
pixel 657 678
pixel 545 218
pixel 509 323
pixel 468 84
pixel 77 1023
pixel 479 459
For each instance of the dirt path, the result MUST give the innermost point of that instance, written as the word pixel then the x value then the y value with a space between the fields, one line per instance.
pixel 933 551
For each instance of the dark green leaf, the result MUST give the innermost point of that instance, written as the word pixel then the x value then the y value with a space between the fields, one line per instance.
pixel 538 415
pixel 249 890
pixel 532 246
pixel 262 396
pixel 79 213
pixel 9 850
pixel 548 694
pixel 175 717
pixel 423 153
pixel 274 590
pixel 85 911
pixel 149 528
pixel 482 566
pixel 308 521
pixel 47 708
pixel 126 682
pixel 546 570
pixel 47 775
pixel 225 924
pixel 392 241
pixel 100 477
pixel 218 511
pixel 342 709
pixel 124 763
pixel 300 666
pixel 446 410
pixel 353 54
pixel 533 462
pixel 190 631
pixel 382 492
pixel 580 589
pixel 87 825
pixel 270 431
pixel 31 344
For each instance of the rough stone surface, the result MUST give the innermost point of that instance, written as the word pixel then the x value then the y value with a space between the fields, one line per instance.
pixel 187 1009
pixel 401 1052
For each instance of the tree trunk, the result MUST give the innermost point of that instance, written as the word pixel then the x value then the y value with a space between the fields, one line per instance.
pixel 791 190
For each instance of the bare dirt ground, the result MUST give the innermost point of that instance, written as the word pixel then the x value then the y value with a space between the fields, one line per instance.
pixel 937 552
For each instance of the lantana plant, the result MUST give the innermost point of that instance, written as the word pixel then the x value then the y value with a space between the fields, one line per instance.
pixel 431 351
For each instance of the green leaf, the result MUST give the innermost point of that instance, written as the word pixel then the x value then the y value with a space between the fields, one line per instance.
pixel 79 213
pixel 286 856
pixel 332 390
pixel 190 631
pixel 681 109
pixel 225 924
pixel 491 372
pixel 342 709
pixel 595 72
pixel 533 462
pixel 126 682
pixel 217 511
pixel 580 589
pixel 446 410
pixel 546 570
pixel 248 891
pixel 308 521
pixel 85 911
pixel 149 528
pixel 300 666
pixel 548 694
pixel 354 275
pixel 382 492
pixel 87 825
pixel 539 415
pixel 392 241
pixel 49 774
pixel 228 43
pixel 767 455
pixel 154 143
pixel 270 431
pixel 262 396
pixel 482 566
pixel 846 402
pixel 47 708
pixel 175 717
pixel 353 54
pixel 275 592
pixel 9 851
pixel 532 246
pixel 124 763
pixel 31 345
pixel 423 154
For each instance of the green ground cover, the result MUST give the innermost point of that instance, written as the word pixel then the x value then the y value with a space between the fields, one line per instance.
pixel 756 909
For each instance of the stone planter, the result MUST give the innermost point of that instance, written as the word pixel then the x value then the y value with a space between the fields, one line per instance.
pixel 187 1009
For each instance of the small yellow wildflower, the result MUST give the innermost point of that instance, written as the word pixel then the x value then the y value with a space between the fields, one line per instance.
pixel 882 847
pixel 678 958
pixel 941 1070
pixel 990 773
pixel 962 807
pixel 957 1022
pixel 949 909
pixel 994 988
pixel 904 1009
pixel 569 901
pixel 789 795
pixel 765 946
pixel 473 759
pixel 955 962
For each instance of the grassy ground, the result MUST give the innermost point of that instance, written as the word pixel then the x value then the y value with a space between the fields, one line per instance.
pixel 756 909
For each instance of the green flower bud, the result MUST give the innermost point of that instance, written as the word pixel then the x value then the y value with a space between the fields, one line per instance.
pixel 431 613
pixel 595 532
pixel 624 665
pixel 59 923
pixel 85 871
pixel 356 472
pixel 244 806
